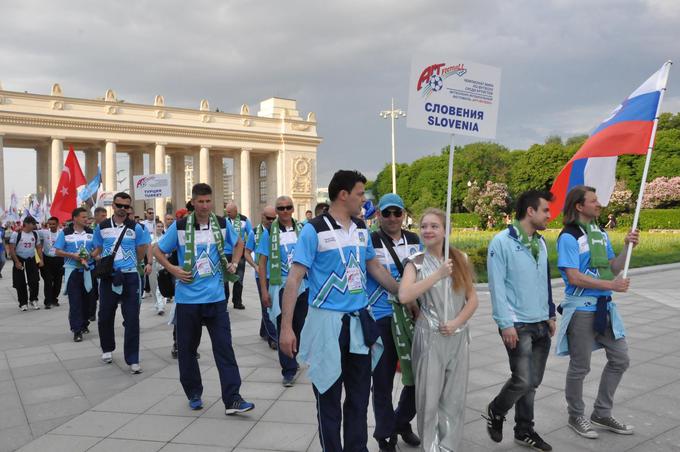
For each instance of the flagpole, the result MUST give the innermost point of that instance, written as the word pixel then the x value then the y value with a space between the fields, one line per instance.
pixel 447 295
pixel 648 159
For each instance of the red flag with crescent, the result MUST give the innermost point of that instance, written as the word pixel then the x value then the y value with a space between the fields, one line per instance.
pixel 65 199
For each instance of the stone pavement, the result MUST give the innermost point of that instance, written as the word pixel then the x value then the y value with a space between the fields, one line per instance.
pixel 55 395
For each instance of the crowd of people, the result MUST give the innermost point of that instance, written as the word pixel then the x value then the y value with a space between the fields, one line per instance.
pixel 353 304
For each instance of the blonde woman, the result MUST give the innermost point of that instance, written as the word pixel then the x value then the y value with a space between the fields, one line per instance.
pixel 440 342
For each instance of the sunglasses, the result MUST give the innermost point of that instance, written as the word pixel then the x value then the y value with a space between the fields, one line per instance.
pixel 122 206
pixel 282 208
pixel 392 212
pixel 270 218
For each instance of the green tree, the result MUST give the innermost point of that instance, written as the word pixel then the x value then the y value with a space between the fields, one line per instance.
pixel 536 168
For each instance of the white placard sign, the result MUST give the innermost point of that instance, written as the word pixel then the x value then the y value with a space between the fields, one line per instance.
pixel 152 186
pixel 453 96
pixel 105 199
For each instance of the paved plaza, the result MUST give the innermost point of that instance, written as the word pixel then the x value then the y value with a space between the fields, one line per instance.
pixel 55 395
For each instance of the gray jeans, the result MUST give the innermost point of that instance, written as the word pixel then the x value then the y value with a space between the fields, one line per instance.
pixel 582 336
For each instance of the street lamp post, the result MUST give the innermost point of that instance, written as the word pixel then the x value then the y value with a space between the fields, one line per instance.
pixel 393 114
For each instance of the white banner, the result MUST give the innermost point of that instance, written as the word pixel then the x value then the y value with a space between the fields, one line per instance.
pixel 152 186
pixel 453 96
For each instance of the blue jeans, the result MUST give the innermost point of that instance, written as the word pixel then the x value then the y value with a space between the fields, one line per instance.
pixel 527 364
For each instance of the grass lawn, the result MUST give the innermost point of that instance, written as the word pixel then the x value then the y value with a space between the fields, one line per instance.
pixel 655 248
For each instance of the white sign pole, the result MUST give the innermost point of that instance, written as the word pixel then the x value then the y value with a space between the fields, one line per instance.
pixel 447 296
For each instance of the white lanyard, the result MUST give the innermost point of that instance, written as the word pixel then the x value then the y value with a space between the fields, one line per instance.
pixel 339 247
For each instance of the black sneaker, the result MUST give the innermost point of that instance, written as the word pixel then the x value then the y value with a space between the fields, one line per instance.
pixel 388 444
pixel 532 440
pixel 494 424
pixel 239 306
pixel 409 437
pixel 77 337
pixel 48 306
pixel 92 318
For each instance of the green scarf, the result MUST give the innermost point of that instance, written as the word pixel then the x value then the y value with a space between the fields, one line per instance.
pixel 190 245
pixel 598 249
pixel 531 243
pixel 236 223
pixel 402 332
pixel 258 235
pixel 275 278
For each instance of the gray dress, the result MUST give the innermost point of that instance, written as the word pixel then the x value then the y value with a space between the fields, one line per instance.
pixel 440 364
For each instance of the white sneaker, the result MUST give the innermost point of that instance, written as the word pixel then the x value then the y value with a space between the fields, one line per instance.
pixel 35 305
pixel 107 358
pixel 135 368
pixel 23 308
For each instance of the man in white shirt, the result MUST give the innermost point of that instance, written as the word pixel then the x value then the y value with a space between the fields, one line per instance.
pixel 53 269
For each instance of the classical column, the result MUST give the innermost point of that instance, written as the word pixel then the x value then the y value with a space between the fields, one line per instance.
pixel 110 182
pixel 42 174
pixel 245 182
pixel 56 163
pixel 159 168
pixel 236 158
pixel 178 195
pixel 136 169
pixel 91 163
pixel 2 172
pixel 217 183
pixel 204 164
pixel 280 183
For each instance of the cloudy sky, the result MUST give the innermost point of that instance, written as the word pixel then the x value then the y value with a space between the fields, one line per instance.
pixel 565 63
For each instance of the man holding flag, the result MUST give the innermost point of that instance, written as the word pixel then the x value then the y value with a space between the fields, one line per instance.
pixel 586 259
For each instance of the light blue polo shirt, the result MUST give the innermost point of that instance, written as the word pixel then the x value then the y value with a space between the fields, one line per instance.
pixel 70 241
pixel 106 234
pixel 203 289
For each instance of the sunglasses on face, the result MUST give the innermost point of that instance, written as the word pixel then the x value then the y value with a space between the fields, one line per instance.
pixel 122 206
pixel 282 208
pixel 270 218
pixel 389 212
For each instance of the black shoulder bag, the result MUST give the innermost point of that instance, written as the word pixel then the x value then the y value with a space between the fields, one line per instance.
pixel 104 266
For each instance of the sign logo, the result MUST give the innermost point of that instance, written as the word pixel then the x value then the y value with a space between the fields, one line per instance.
pixel 432 77
pixel 152 186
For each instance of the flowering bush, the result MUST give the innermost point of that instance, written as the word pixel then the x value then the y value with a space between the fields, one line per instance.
pixel 621 200
pixel 491 200
pixel 662 192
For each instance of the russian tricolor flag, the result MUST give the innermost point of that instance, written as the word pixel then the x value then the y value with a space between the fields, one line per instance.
pixel 627 130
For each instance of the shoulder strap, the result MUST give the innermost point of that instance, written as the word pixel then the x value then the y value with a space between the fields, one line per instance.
pixel 120 237
pixel 18 237
pixel 390 247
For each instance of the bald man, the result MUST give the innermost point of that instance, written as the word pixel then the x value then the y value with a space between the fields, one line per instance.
pixel 267 328
pixel 243 228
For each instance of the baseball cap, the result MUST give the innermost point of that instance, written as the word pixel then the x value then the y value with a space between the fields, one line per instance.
pixel 390 200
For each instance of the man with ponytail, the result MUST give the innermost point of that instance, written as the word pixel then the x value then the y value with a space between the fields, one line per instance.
pixel 521 297
pixel 590 319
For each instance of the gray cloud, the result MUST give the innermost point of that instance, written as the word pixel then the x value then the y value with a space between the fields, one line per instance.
pixel 565 63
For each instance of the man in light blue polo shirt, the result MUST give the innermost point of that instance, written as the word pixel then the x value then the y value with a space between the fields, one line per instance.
pixel 276 251
pixel 123 286
pixel 200 241
pixel 590 319
pixel 340 340
pixel 74 244
pixel 521 297
pixel 390 241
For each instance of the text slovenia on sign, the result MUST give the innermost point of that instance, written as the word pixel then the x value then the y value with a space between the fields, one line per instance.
pixel 453 96
pixel 152 186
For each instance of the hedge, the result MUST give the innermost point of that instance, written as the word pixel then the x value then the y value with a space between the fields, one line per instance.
pixel 649 219
pixel 652 219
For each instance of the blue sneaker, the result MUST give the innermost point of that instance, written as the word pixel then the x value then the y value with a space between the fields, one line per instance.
pixel 239 406
pixel 195 403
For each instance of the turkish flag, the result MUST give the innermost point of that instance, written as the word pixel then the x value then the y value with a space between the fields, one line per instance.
pixel 66 197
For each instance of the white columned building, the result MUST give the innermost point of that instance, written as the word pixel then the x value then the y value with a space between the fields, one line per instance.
pixel 269 153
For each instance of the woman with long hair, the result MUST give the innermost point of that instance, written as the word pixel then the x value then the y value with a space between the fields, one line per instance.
pixel 440 342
